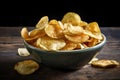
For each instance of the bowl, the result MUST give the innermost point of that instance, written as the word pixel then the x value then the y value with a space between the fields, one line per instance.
pixel 73 59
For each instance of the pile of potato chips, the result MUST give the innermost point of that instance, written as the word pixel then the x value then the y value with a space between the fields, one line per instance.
pixel 70 33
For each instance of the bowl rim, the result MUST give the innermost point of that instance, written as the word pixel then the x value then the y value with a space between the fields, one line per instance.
pixel 77 50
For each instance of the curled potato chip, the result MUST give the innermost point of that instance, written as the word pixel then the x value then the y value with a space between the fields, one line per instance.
pixel 77 38
pixel 54 29
pixel 33 35
pixel 93 30
pixel 48 43
pixel 24 33
pixel 69 46
pixel 32 39
pixel 93 27
pixel 94 35
pixel 83 24
pixel 93 42
pixel 37 32
pixel 42 22
pixel 71 30
pixel 71 17
pixel 61 24
pixel 81 46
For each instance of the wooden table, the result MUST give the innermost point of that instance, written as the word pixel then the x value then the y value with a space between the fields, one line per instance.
pixel 10 41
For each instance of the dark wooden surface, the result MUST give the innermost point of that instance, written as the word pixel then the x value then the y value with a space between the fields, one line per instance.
pixel 10 41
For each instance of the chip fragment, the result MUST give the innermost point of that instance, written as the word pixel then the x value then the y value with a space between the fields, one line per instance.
pixel 23 52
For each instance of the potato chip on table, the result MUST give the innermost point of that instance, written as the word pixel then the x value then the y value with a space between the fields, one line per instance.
pixel 105 63
pixel 26 67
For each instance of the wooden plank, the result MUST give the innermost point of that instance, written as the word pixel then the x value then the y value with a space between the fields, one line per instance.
pixel 10 40
pixel 10 47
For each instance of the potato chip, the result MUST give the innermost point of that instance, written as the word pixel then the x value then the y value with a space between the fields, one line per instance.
pixel 83 24
pixel 42 22
pixel 93 27
pixel 77 38
pixel 71 17
pixel 61 25
pixel 24 33
pixel 81 46
pixel 32 39
pixel 48 43
pixel 54 30
pixel 93 42
pixel 104 63
pixel 94 35
pixel 71 30
pixel 26 67
pixel 23 52
pixel 69 46
pixel 37 32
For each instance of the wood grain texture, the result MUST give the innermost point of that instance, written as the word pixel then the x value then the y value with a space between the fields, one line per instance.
pixel 10 41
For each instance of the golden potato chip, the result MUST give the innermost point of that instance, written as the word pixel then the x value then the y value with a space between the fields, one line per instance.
pixel 42 22
pixel 61 25
pixel 32 39
pixel 48 43
pixel 69 46
pixel 70 29
pixel 71 17
pixel 93 30
pixel 81 46
pixel 104 63
pixel 26 67
pixel 77 38
pixel 93 42
pixel 83 24
pixel 24 33
pixel 54 30
pixel 93 27
pixel 94 35
pixel 37 32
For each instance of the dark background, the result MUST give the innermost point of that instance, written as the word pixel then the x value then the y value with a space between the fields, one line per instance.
pixel 20 13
